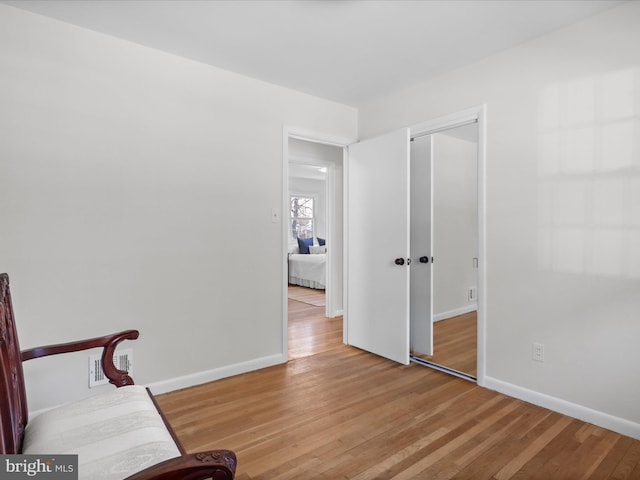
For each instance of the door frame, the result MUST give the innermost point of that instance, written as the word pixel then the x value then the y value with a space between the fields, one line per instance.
pixel 326 139
pixel 474 114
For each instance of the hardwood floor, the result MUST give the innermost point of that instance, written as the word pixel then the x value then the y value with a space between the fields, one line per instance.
pixel 307 295
pixel 344 413
pixel 455 343
pixel 310 332
pixel 338 412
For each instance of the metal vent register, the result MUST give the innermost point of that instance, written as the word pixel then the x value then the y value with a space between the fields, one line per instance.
pixel 122 360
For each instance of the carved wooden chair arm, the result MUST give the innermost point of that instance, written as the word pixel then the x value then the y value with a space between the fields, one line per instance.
pixel 216 464
pixel 108 343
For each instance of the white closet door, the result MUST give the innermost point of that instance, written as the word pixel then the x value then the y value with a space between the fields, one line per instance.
pixel 421 245
pixel 378 241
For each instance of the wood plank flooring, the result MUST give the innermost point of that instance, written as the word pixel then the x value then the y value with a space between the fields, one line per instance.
pixel 312 296
pixel 342 413
pixel 337 412
pixel 310 332
pixel 455 343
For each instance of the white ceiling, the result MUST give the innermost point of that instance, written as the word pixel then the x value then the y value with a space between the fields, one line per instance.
pixel 349 51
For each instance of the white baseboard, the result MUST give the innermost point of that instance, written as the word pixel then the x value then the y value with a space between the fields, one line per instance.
pixel 199 378
pixel 586 414
pixel 472 307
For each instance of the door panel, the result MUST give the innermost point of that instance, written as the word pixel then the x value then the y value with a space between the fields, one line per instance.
pixel 421 305
pixel 377 234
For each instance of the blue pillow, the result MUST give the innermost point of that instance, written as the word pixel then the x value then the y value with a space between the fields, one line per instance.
pixel 304 244
pixel 321 241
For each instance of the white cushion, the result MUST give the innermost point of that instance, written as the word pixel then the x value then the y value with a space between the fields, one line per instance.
pixel 115 434
pixel 318 249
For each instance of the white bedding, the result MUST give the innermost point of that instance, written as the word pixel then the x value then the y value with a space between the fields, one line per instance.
pixel 308 270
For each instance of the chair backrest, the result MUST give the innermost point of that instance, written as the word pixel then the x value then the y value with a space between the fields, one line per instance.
pixel 13 397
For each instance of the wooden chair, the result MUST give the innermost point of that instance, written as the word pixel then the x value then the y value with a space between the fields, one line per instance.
pixel 14 431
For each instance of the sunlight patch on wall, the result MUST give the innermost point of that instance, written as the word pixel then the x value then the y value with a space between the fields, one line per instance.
pixel 589 175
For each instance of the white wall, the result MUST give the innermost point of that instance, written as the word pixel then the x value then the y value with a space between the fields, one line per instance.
pixel 563 210
pixel 136 191
pixel 455 224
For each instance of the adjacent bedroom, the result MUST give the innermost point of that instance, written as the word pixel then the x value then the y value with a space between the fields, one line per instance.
pixel 307 248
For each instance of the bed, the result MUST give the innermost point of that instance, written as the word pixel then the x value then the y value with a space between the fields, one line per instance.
pixel 308 270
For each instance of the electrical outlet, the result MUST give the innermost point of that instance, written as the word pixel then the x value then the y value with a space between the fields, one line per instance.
pixel 537 352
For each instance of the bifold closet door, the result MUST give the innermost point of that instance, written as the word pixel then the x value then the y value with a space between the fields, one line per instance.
pixel 377 230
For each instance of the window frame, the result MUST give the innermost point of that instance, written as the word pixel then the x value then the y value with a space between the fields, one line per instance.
pixel 314 200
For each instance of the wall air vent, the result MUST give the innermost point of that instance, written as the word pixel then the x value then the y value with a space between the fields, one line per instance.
pixel 123 360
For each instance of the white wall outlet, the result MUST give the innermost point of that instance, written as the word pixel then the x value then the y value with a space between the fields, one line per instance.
pixel 537 352
pixel 472 295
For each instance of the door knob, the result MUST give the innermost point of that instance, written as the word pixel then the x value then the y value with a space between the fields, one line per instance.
pixel 424 259
pixel 399 261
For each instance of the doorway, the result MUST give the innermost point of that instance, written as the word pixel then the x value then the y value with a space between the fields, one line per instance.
pixel 313 243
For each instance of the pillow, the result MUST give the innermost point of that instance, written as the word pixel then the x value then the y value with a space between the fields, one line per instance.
pixel 304 244
pixel 317 249
pixel 321 241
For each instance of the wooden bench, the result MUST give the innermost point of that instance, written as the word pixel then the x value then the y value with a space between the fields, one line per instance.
pixel 116 435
